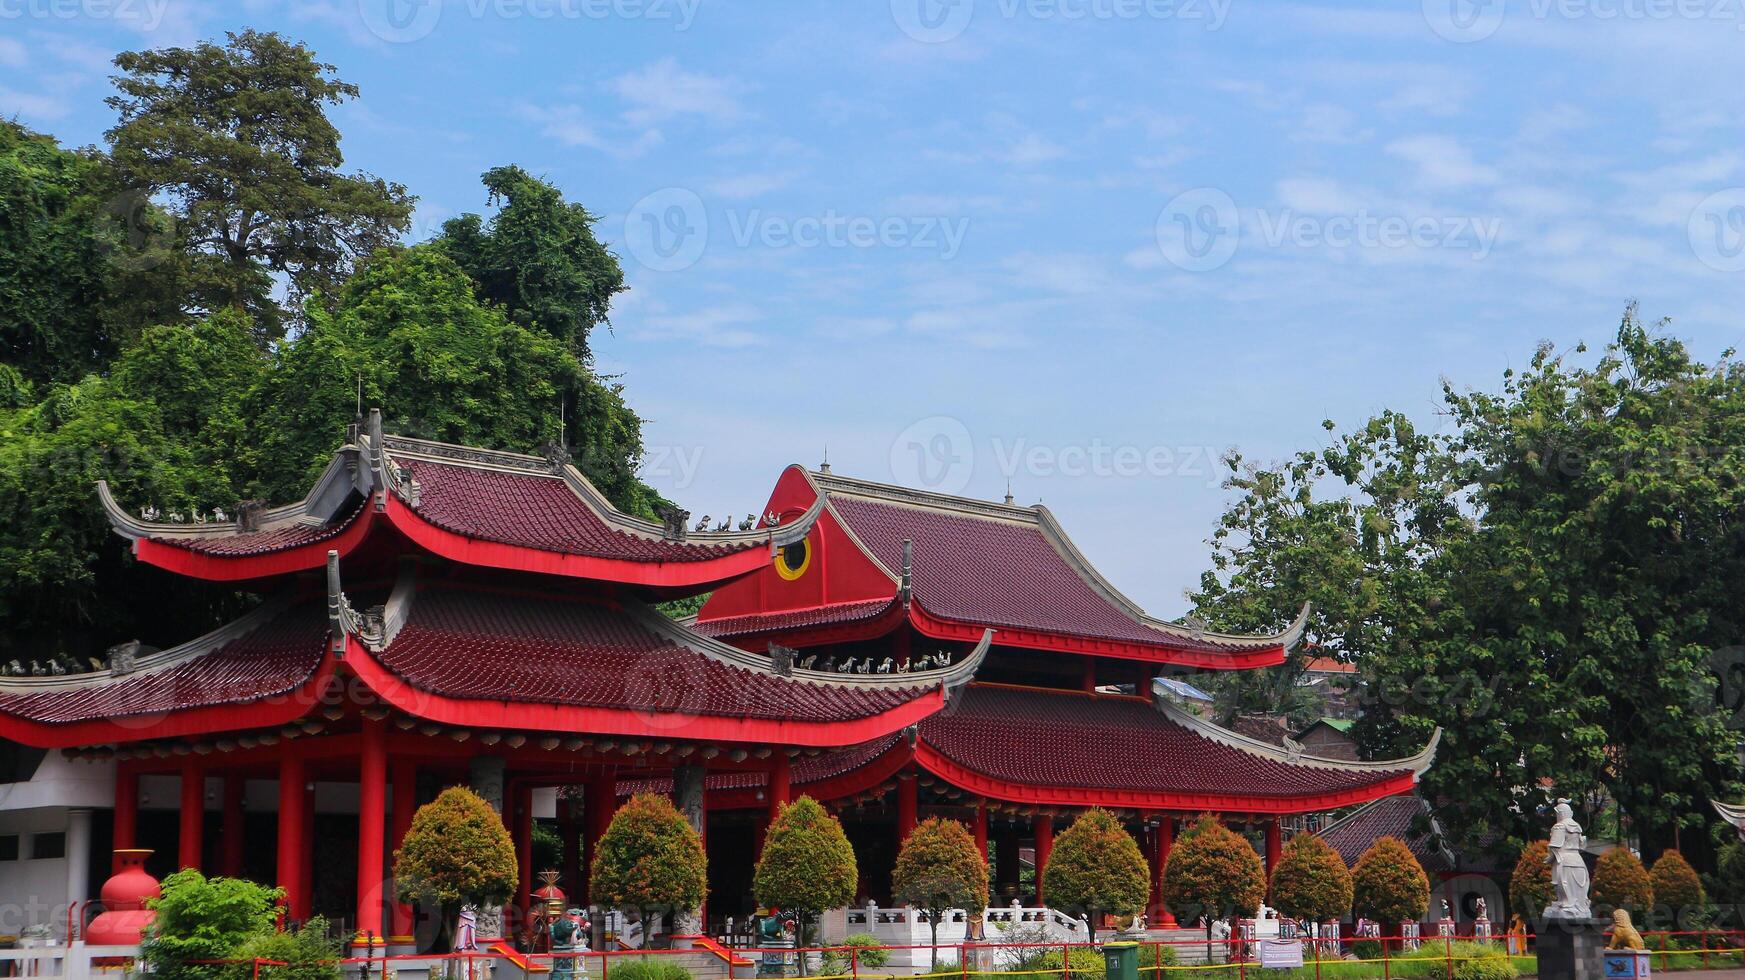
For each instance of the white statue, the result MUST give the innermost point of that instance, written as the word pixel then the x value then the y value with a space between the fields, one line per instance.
pixel 1568 870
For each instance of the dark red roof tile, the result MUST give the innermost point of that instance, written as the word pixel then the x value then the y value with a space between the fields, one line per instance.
pixel 260 542
pixel 275 658
pixel 477 645
pixel 831 615
pixel 990 571
pixel 1050 738
pixel 534 510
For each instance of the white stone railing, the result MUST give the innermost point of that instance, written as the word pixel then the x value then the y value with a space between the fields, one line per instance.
pixel 66 962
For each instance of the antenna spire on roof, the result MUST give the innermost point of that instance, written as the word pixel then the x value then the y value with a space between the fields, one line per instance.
pixel 1008 490
pixel 824 467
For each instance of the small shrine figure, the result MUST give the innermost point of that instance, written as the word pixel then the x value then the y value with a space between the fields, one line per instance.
pixel 569 936
pixel 466 930
pixel 1624 934
pixel 1481 923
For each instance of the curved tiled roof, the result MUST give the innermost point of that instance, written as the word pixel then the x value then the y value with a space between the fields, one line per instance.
pixel 1070 739
pixel 477 645
pixel 535 510
pixel 277 655
pixel 805 770
pixel 1353 834
pixel 831 615
pixel 1007 567
pixel 262 542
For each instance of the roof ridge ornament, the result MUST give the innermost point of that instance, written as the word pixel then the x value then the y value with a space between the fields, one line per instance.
pixel 378 467
pixel 344 621
pixel 906 587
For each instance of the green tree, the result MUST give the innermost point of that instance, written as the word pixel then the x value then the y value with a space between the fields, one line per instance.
pixel 236 139
pixel 82 266
pixel 200 920
pixel 456 852
pixel 1213 872
pixel 807 865
pixel 1310 881
pixel 307 951
pixel 1530 883
pixel 536 259
pixel 650 859
pixel 1621 882
pixel 1678 889
pixel 939 867
pixel 1560 539
pixel 1389 885
pixel 1096 866
pixel 440 366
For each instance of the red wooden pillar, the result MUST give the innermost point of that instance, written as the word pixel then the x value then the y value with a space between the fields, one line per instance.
pixel 372 814
pixel 193 814
pixel 600 803
pixel 1160 861
pixel 403 773
pixel 292 816
pixel 570 829
pixel 523 797
pixel 1044 827
pixel 308 870
pixel 1273 847
pixel 126 834
pixel 780 780
pixel 230 864
pixel 981 829
pixel 908 806
pixel 1088 679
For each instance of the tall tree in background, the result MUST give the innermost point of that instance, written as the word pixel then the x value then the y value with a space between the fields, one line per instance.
pixel 82 265
pixel 939 868
pixel 1571 540
pixel 536 259
pixel 235 139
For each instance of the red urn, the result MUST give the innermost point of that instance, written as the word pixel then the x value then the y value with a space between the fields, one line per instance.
pixel 124 917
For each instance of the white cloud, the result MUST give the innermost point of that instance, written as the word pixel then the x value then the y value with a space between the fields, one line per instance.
pixel 721 326
pixel 1318 195
pixel 663 90
pixel 570 126
pixel 1441 161
pixel 30 105
pixel 742 186
pixel 12 53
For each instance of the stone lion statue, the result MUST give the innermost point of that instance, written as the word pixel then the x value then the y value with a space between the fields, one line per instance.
pixel 1624 935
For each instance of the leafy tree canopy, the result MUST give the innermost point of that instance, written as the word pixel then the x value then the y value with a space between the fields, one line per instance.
pixel 1096 865
pixel 536 259
pixel 456 851
pixel 650 859
pixel 807 864
pixel 1388 884
pixel 939 867
pixel 1530 883
pixel 1213 872
pixel 204 919
pixel 1561 539
pixel 1621 882
pixel 1677 888
pixel 1311 881
pixel 236 139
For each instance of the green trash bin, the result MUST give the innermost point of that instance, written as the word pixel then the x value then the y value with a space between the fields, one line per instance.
pixel 1121 961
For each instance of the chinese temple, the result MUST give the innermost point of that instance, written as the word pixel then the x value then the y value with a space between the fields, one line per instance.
pixel 432 614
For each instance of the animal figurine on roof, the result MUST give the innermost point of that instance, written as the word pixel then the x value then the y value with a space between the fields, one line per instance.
pixel 747 524
pixel 702 525
pixel 726 523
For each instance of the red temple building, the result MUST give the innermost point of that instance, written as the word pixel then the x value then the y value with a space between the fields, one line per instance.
pixel 432 615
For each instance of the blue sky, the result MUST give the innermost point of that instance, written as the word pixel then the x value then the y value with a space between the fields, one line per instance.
pixel 1083 245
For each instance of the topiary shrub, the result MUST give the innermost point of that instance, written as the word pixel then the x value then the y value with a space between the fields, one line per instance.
pixel 939 867
pixel 807 865
pixel 1677 888
pixel 1389 885
pixel 1530 884
pixel 1096 867
pixel 1310 881
pixel 456 852
pixel 200 918
pixel 650 859
pixel 1483 961
pixel 1621 882
pixel 1212 872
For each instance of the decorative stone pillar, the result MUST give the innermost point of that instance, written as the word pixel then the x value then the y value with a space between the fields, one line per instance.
pixel 78 864
pixel 688 797
pixel 485 774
